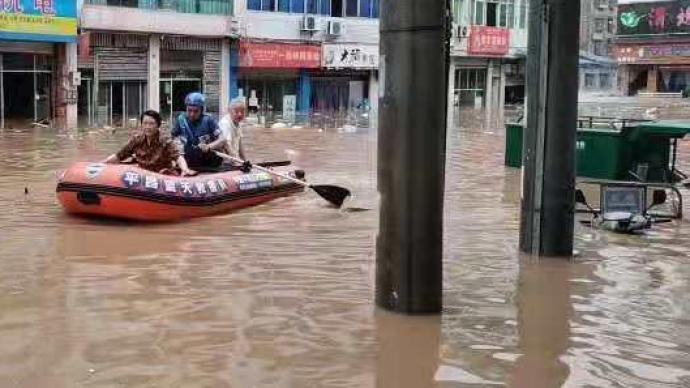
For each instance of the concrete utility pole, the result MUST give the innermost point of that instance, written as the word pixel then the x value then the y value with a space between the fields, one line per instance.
pixel 548 201
pixel 411 154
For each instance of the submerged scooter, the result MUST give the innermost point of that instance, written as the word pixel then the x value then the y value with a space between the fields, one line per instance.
pixel 627 222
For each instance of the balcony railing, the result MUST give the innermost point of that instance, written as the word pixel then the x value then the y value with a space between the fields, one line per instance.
pixel 207 7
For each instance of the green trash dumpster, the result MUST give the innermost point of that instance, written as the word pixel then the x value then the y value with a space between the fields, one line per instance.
pixel 639 151
pixel 653 149
pixel 601 153
pixel 513 156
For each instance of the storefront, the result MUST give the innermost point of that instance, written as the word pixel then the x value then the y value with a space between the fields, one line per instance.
pixel 662 67
pixel 189 64
pixel 653 47
pixel 480 79
pixel 38 75
pixel 348 82
pixel 117 71
pixel 269 74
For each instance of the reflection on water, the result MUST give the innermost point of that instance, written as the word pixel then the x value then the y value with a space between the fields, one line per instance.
pixel 281 295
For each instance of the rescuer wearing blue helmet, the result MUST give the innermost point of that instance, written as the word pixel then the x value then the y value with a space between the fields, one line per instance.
pixel 199 134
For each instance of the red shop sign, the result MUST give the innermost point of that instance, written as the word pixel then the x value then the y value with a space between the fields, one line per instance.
pixel 489 40
pixel 280 56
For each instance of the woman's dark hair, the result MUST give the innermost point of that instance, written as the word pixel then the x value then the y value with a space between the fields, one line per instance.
pixel 154 115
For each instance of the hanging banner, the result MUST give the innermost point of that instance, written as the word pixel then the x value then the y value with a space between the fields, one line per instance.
pixel 489 41
pixel 279 55
pixel 350 56
pixel 38 20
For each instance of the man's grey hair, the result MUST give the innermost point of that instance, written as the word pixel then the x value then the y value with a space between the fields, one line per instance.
pixel 237 102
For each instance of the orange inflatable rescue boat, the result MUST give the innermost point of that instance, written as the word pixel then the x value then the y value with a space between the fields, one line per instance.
pixel 129 192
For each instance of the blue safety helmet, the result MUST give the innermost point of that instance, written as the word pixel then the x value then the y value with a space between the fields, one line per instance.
pixel 195 99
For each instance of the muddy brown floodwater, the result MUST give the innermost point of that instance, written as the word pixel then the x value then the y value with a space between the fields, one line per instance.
pixel 281 295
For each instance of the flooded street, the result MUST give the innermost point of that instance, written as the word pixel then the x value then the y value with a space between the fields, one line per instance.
pixel 281 295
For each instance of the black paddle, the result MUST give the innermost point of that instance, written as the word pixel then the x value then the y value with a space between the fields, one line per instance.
pixel 333 194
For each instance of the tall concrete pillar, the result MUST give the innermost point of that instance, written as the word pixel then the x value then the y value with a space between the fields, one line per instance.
pixel 71 112
pixel 153 98
pixel 450 109
pixel 412 154
pixel 489 95
pixel 373 98
pixel 548 198
pixel 502 97
pixel 653 79
pixel 224 78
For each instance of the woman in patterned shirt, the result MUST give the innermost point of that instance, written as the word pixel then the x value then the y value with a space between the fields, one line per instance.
pixel 152 149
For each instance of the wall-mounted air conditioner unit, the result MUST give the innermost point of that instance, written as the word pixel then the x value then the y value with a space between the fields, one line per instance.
pixel 335 28
pixel 309 23
pixel 463 32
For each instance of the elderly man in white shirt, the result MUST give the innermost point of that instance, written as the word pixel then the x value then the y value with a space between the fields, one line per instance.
pixel 230 125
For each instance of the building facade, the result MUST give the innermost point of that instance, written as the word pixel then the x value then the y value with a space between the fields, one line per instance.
pixel 487 70
pixel 653 46
pixel 598 69
pixel 38 70
pixel 149 54
pixel 299 59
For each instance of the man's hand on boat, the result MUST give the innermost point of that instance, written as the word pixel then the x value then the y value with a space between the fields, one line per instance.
pixel 188 172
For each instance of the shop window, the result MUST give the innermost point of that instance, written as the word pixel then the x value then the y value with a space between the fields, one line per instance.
pixel 375 9
pixel 351 8
pixel 254 5
pixel 601 49
pixel 297 6
pixel 457 11
pixel 523 14
pixel 123 3
pixel 590 81
pixel 337 8
pixel 284 5
pixel 16 61
pixel 478 11
pixel 491 14
pixel 365 8
pixel 494 13
pixel 605 81
pixel 470 85
pixel 325 8
pixel 312 6
pixel 268 5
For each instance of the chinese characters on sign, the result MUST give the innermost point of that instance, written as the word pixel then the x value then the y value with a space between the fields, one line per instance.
pixel 276 55
pixel 658 17
pixel 135 180
pixel 344 56
pixel 650 53
pixel 489 41
pixel 39 20
pixel 14 6
pixel 46 7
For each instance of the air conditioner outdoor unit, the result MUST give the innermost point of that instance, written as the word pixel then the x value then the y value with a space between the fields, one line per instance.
pixel 335 28
pixel 309 23
pixel 463 31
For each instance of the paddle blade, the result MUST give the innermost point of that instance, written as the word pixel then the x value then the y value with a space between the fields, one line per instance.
pixel 333 194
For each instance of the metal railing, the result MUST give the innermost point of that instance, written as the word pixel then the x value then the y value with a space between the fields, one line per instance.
pixel 207 7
